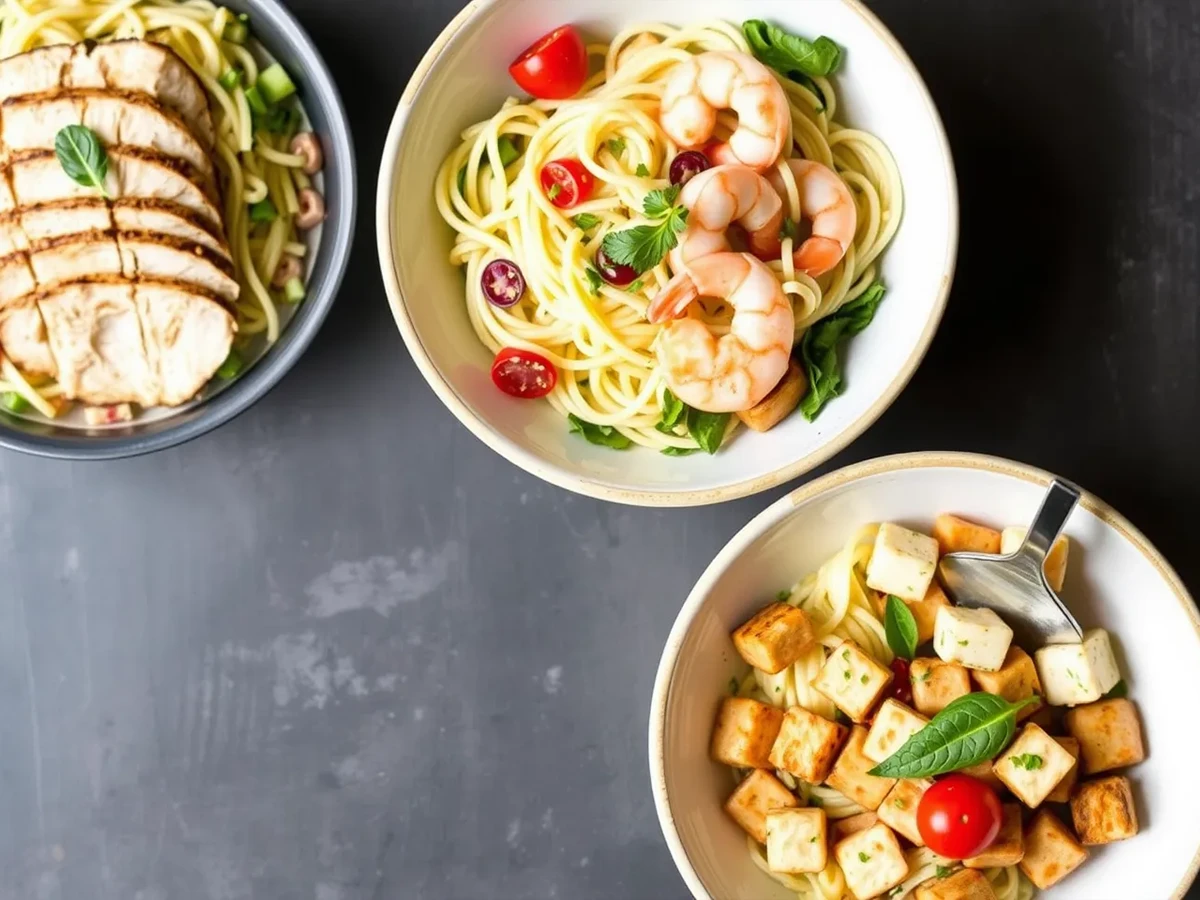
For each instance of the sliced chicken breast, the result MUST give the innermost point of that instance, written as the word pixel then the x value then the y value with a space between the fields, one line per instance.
pixel 36 177
pixel 118 118
pixel 131 65
pixel 188 335
pixel 22 331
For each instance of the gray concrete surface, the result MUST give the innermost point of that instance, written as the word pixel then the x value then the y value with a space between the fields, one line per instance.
pixel 339 650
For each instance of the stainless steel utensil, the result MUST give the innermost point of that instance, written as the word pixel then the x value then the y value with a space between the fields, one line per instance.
pixel 1015 586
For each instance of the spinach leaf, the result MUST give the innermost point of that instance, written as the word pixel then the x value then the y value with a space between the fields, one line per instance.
pixel 900 628
pixel 819 348
pixel 601 435
pixel 680 451
pixel 707 428
pixel 82 156
pixel 969 730
pixel 509 154
pixel 788 53
pixel 673 410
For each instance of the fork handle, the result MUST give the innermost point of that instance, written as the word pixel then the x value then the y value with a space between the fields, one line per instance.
pixel 1056 508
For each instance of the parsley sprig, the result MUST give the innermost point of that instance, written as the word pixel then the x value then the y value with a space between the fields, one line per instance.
pixel 644 246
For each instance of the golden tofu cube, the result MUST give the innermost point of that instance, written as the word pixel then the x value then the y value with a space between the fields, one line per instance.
pixel 1103 811
pixel 1051 851
pixel 843 828
pixel 1013 537
pixel 1062 791
pixel 759 793
pixel 935 684
pixel 852 680
pixel 1016 680
pixel 807 745
pixel 983 771
pixel 780 403
pixel 1109 735
pixel 744 733
pixel 1033 765
pixel 965 884
pixel 796 840
pixel 899 808
pixel 894 724
pixel 1009 846
pixel 849 775
pixel 926 609
pixel 955 535
pixel 774 638
pixel 872 861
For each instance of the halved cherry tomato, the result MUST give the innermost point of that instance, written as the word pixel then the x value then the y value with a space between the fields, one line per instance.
pixel 567 182
pixel 523 373
pixel 959 817
pixel 554 67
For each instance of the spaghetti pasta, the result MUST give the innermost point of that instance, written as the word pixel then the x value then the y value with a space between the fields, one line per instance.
pixel 595 334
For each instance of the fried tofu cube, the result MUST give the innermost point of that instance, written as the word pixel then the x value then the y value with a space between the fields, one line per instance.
pixel 759 793
pixel 965 884
pixel 1103 811
pixel 780 403
pixel 1109 735
pixel 1016 680
pixel 872 861
pixel 1009 846
pixel 1062 791
pixel 1013 537
pixel 955 535
pixel 1078 673
pixel 976 638
pixel 935 684
pixel 1033 765
pixel 843 828
pixel 849 775
pixel 807 745
pixel 925 611
pixel 899 808
pixel 796 840
pixel 744 733
pixel 902 562
pixel 852 680
pixel 1051 851
pixel 983 771
pixel 894 724
pixel 775 638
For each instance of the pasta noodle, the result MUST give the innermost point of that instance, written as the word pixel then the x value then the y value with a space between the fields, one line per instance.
pixel 600 342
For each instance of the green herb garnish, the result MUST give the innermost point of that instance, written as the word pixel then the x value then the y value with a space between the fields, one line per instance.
pixel 679 451
pixel 586 221
pixel 863 857
pixel 601 435
pixel 616 146
pixel 1028 761
pixel 594 280
pixel 644 246
pixel 554 192
pixel 82 157
pixel 900 628
pixel 819 348
pixel 943 871
pixel 784 595
pixel 641 171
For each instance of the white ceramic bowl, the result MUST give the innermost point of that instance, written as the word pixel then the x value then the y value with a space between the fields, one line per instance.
pixel 464 78
pixel 1115 579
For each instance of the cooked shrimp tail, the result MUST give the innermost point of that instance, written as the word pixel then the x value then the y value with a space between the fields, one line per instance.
pixel 827 204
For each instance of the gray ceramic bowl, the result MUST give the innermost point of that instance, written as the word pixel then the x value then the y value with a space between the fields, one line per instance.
pixel 283 38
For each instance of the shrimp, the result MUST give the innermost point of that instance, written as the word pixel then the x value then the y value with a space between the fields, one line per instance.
pixel 708 82
pixel 715 200
pixel 734 372
pixel 826 201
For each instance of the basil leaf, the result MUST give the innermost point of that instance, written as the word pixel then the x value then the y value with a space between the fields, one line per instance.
pixel 819 348
pixel 680 451
pixel 900 628
pixel 82 156
pixel 673 409
pixel 601 435
pixel 707 428
pixel 788 53
pixel 968 731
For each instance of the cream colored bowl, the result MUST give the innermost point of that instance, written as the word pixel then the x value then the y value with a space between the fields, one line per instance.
pixel 464 78
pixel 1115 579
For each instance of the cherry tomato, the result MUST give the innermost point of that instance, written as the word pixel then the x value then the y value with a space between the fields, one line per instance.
pixel 688 165
pixel 567 182
pixel 613 272
pixel 959 817
pixel 502 283
pixel 554 67
pixel 901 686
pixel 523 373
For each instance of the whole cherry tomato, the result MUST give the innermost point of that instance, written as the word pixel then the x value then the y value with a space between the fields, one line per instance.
pixel 959 816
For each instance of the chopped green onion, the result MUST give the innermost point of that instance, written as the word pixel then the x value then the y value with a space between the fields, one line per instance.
pixel 282 120
pixel 263 211
pixel 293 291
pixel 238 31
pixel 231 79
pixel 275 84
pixel 14 402
pixel 232 366
pixel 255 98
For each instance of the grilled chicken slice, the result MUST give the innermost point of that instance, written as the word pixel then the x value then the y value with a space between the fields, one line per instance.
pixel 154 343
pixel 131 65
pixel 36 177
pixel 122 119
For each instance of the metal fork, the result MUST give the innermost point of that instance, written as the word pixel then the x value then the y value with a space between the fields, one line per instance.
pixel 1015 586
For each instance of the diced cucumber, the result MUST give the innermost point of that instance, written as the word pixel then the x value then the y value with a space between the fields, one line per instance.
pixel 275 84
pixel 263 211
pixel 293 291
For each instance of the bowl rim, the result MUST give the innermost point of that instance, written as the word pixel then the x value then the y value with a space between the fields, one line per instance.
pixel 294 340
pixel 534 464
pixel 780 510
